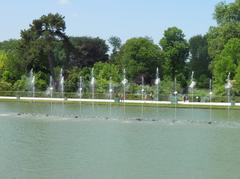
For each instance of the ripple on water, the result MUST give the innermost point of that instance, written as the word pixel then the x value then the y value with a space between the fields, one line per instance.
pixel 153 121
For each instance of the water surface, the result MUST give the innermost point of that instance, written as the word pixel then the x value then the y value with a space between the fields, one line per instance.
pixel 94 142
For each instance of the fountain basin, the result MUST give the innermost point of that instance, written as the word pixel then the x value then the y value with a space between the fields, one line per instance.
pixel 39 143
pixel 81 141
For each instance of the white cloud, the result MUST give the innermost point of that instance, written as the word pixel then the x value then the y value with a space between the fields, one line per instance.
pixel 64 2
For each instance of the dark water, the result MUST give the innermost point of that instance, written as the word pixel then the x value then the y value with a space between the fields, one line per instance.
pixel 67 141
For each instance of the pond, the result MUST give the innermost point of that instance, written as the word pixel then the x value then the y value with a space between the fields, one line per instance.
pixel 89 141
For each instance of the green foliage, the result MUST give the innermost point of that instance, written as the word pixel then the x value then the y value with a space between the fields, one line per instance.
pixel 46 48
pixel 140 56
pixel 87 51
pixel 203 81
pixel 40 41
pixel 9 45
pixel 227 61
pixel 41 81
pixel 228 19
pixel 223 45
pixel 7 76
pixel 72 81
pixel 86 74
pixel 200 60
pixel 219 36
pixel 20 85
pixel 225 13
pixel 116 44
pixel 201 92
pixel 167 87
pixel 236 82
pixel 103 73
pixel 5 86
pixel 175 50
pixel 3 59
pixel 11 58
pixel 107 70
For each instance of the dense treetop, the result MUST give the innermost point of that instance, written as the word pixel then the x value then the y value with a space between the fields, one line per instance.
pixel 46 48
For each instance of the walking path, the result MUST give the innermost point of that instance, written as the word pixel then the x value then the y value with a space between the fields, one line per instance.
pixel 111 101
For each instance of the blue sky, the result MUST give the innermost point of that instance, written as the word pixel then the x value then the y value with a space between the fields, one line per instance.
pixel 105 18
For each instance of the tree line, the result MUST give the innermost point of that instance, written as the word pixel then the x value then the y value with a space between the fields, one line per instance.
pixel 46 48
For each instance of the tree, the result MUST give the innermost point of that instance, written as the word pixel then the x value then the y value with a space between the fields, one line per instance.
pixel 227 61
pixel 227 13
pixel 176 50
pixel 39 42
pixel 72 79
pixel 87 51
pixel 3 59
pixel 237 81
pixel 9 45
pixel 228 19
pixel 140 56
pixel 5 86
pixel 21 84
pixel 116 45
pixel 103 73
pixel 224 44
pixel 200 60
pixel 11 58
pixel 218 36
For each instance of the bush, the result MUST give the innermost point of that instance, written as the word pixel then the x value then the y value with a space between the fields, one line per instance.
pixel 20 85
pixel 41 81
pixel 72 80
pixel 5 86
pixel 8 76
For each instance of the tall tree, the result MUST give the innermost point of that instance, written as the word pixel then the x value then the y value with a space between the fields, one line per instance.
pixel 227 13
pixel 218 36
pixel 13 62
pixel 228 20
pixel 176 50
pixel 41 39
pixel 200 59
pixel 223 43
pixel 87 51
pixel 116 44
pixel 140 56
pixel 227 61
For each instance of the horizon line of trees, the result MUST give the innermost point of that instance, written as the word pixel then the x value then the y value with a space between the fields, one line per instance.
pixel 46 48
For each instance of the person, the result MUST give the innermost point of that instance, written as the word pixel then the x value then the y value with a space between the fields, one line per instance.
pixel 199 99
pixel 184 98
pixel 121 98
pixel 117 98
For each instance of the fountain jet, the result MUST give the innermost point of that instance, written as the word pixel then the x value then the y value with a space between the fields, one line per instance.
pixel 92 83
pixel 157 83
pixel 210 98
pixel 142 90
pixel 80 89
pixel 110 88
pixel 32 82
pixel 228 87
pixel 51 86
pixel 124 82
pixel 61 83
